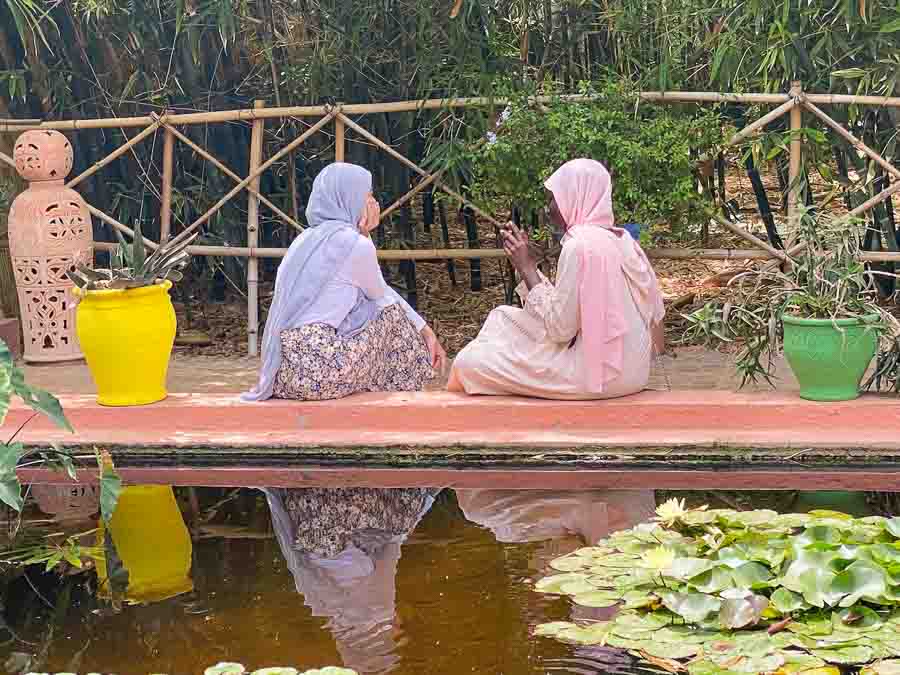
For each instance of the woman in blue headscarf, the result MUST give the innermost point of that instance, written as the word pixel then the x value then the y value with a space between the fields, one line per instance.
pixel 335 327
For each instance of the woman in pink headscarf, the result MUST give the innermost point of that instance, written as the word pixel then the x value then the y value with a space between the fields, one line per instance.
pixel 592 334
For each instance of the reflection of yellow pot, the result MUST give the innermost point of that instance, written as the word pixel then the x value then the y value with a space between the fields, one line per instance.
pixel 127 338
pixel 153 543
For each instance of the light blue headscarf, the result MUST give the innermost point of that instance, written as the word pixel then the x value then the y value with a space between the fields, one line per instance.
pixel 335 207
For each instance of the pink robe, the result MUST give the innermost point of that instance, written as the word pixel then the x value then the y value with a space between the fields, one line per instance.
pixel 526 351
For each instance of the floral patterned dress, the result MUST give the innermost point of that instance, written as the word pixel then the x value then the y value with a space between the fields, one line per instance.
pixel 318 364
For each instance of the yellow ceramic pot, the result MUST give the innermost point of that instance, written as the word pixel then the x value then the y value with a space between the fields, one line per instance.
pixel 126 337
pixel 153 543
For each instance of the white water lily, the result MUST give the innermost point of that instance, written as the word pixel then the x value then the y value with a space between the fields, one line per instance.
pixel 673 510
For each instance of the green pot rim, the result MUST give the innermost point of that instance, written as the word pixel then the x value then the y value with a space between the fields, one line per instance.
pixel 856 321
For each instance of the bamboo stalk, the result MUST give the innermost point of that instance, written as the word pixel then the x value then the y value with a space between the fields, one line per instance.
pixel 857 143
pixel 796 159
pixel 421 185
pixel 114 155
pixel 231 174
pixel 247 115
pixel 875 201
pixel 339 144
pixel 394 255
pixel 256 148
pixel 249 179
pixel 168 164
pixel 766 119
pixel 415 167
pixel 746 236
pixel 7 159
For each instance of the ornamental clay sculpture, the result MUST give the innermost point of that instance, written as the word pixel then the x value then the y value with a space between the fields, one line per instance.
pixel 49 233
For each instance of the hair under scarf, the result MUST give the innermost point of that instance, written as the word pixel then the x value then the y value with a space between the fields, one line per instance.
pixel 335 206
pixel 611 262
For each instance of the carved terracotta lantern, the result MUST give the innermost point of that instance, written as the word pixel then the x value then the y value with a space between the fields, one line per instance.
pixel 49 233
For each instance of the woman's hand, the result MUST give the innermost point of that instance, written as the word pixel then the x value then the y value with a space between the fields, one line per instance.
pixel 438 355
pixel 516 245
pixel 371 216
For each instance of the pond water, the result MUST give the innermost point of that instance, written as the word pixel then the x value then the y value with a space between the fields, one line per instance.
pixel 403 581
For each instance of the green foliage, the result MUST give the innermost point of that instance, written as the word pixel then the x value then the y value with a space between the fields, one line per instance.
pixel 793 590
pixel 647 149
pixel 131 267
pixel 825 280
pixel 13 455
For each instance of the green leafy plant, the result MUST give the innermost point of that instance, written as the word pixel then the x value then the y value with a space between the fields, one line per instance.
pixel 647 149
pixel 825 280
pixel 14 456
pixel 131 267
pixel 715 592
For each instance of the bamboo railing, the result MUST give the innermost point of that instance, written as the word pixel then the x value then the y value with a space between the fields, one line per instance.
pixel 793 104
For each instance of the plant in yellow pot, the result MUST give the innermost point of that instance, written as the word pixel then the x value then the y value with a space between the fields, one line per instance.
pixel 125 320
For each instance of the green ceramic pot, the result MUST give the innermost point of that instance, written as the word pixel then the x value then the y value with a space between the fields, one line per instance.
pixel 829 357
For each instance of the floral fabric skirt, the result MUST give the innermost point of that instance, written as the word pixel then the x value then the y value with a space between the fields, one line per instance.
pixel 317 364
pixel 328 520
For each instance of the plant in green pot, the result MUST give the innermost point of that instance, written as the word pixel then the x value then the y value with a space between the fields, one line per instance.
pixel 821 309
pixel 125 320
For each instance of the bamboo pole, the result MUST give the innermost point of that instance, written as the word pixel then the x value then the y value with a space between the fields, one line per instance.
pixel 248 115
pixel 796 158
pixel 168 167
pixel 256 148
pixel 7 159
pixel 339 144
pixel 857 143
pixel 421 185
pixel 393 255
pixel 231 174
pixel 114 155
pixel 746 236
pixel 249 179
pixel 875 201
pixel 415 167
pixel 766 119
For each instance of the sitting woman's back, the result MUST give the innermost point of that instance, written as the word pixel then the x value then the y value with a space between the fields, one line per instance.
pixel 335 328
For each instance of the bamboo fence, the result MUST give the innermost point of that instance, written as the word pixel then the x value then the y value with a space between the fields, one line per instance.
pixel 793 104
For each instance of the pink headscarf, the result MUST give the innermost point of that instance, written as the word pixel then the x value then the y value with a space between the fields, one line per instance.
pixel 611 261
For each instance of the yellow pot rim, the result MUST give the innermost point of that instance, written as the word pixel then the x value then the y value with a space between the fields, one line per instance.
pixel 119 293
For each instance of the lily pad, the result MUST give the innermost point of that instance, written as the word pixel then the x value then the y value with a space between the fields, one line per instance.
pixel 692 607
pixel 570 564
pixel 596 599
pixel 225 668
pixel 891 667
pixel 554 583
pixel 742 612
pixel 845 656
pixel 860 581
pixel 786 601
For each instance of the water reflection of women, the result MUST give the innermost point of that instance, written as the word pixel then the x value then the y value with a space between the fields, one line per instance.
pixel 563 521
pixel 342 546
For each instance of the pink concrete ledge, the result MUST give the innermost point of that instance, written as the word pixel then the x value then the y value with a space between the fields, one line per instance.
pixel 439 419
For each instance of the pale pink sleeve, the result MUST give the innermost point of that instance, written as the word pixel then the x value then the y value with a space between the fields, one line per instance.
pixel 557 305
pixel 522 288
